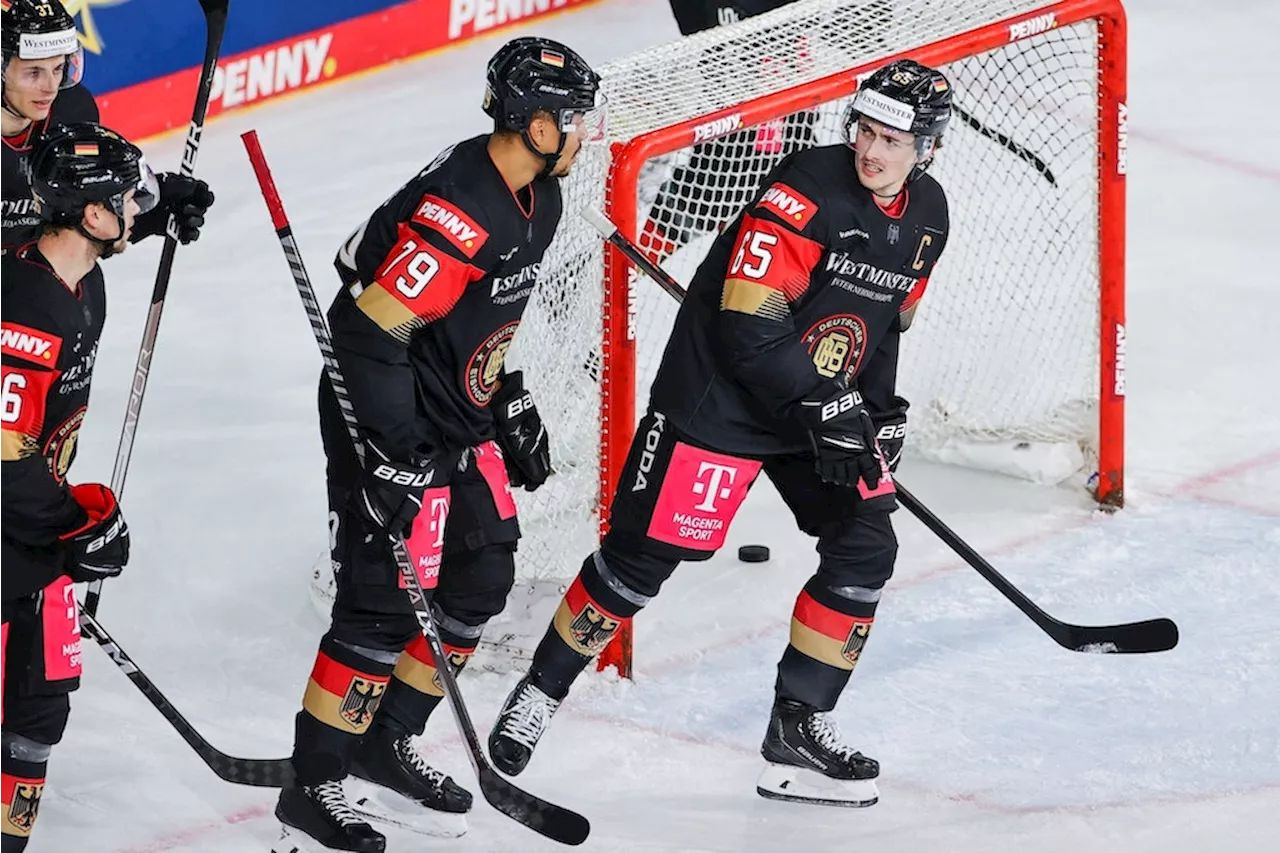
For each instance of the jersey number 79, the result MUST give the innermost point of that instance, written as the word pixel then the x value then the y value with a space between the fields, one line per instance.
pixel 414 274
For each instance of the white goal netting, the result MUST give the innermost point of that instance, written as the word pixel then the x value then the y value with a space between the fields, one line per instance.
pixel 1005 349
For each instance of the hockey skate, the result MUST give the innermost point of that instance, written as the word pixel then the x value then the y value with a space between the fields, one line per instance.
pixel 318 819
pixel 807 763
pixel 524 717
pixel 391 783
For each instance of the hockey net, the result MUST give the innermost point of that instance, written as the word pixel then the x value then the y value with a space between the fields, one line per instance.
pixel 1011 362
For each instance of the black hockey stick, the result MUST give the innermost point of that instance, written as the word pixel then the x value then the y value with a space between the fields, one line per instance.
pixel 260 772
pixel 1152 635
pixel 1019 151
pixel 215 17
pixel 553 821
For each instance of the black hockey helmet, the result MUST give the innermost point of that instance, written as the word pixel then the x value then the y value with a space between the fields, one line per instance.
pixel 75 165
pixel 906 96
pixel 531 74
pixel 40 29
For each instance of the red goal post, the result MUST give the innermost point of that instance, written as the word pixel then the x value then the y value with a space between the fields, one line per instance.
pixel 1094 241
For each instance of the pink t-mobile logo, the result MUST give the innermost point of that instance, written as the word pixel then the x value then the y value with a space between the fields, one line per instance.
pixel 712 489
pixel 439 514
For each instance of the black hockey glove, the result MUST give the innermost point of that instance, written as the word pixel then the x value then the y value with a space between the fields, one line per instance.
pixel 100 546
pixel 843 438
pixel 891 431
pixel 391 492
pixel 187 198
pixel 521 435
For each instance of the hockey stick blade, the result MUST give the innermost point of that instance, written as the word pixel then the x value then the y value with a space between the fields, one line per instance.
pixel 1131 638
pixel 258 772
pixel 555 822
pixel 1153 635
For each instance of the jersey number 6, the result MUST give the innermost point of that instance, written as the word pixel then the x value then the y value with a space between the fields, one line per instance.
pixel 14 383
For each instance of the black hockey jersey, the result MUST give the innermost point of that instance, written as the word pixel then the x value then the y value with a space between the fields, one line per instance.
pixel 706 191
pixel 799 296
pixel 435 284
pixel 49 343
pixel 20 221
pixel 693 16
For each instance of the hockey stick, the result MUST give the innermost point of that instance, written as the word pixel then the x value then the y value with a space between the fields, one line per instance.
pixel 1152 635
pixel 259 772
pixel 553 821
pixel 1019 151
pixel 215 16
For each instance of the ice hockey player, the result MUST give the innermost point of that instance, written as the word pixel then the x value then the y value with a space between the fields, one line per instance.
pixel 43 67
pixel 705 193
pixel 434 286
pixel 783 358
pixel 91 184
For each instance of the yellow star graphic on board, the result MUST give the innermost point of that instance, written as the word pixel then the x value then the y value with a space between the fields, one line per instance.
pixel 82 11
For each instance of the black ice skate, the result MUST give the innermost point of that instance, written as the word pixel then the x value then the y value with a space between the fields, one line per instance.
pixel 320 818
pixel 404 790
pixel 807 763
pixel 524 717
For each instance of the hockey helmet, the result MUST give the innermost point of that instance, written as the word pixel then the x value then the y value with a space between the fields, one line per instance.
pixel 75 165
pixel 906 96
pixel 528 75
pixel 40 29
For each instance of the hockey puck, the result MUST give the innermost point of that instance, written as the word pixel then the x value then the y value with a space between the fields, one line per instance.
pixel 753 553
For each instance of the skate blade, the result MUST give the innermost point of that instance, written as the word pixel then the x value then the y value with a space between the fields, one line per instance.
pixel 382 805
pixel 798 785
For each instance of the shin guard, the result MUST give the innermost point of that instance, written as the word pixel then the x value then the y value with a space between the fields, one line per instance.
pixel 415 689
pixel 589 615
pixel 342 696
pixel 826 643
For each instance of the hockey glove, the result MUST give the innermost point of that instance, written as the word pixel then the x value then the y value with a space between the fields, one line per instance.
pixel 100 546
pixel 843 438
pixel 186 198
pixel 391 492
pixel 521 435
pixel 891 431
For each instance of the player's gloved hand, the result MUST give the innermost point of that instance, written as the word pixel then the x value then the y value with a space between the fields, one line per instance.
pixel 521 435
pixel 99 547
pixel 843 437
pixel 391 491
pixel 891 431
pixel 186 198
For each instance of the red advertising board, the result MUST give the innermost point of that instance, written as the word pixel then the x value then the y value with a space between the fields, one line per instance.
pixel 316 57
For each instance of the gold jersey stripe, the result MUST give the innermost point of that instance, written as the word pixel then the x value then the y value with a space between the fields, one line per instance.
pixel 389 313
pixel 754 298
pixel 15 445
